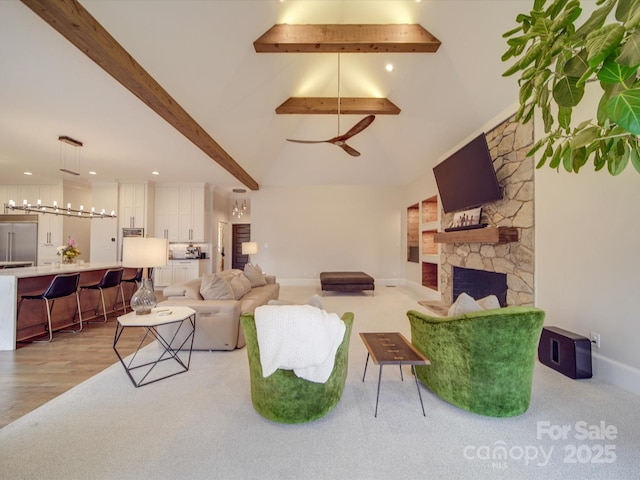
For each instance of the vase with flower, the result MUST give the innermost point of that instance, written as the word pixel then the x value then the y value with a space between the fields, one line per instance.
pixel 69 252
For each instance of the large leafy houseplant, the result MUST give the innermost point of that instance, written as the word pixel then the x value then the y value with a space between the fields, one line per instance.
pixel 557 59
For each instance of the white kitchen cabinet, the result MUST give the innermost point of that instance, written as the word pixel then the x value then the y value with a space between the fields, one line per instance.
pixel 192 214
pixel 180 213
pixel 167 212
pixel 177 271
pixel 162 276
pixel 132 205
pixel 184 270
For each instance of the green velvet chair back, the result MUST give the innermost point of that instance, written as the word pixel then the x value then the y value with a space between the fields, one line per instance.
pixel 283 397
pixel 481 361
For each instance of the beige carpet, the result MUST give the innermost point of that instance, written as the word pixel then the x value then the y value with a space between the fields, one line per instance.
pixel 201 424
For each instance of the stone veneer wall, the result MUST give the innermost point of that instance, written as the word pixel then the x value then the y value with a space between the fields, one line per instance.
pixel 509 143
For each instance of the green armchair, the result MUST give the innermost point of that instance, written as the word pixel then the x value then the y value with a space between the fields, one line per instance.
pixel 482 361
pixel 283 397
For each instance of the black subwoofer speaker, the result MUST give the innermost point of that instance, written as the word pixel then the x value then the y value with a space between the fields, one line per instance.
pixel 566 352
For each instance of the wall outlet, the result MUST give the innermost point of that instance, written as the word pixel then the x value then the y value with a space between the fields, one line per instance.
pixel 595 339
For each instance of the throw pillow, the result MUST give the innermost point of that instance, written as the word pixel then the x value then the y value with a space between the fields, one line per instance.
pixel 217 289
pixel 463 304
pixel 238 286
pixel 489 303
pixel 255 276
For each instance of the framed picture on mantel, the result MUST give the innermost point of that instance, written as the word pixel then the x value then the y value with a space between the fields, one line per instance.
pixel 467 218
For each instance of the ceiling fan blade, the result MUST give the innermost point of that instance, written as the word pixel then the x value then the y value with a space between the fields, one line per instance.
pixel 357 128
pixel 351 151
pixel 306 141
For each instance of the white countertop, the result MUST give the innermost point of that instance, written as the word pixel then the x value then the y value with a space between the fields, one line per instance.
pixel 26 272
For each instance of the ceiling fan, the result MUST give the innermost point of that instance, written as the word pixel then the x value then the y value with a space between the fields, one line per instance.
pixel 341 140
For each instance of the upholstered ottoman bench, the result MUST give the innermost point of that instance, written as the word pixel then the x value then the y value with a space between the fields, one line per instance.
pixel 346 282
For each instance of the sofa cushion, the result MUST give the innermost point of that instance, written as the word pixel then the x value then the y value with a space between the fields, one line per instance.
pixel 463 304
pixel 255 275
pixel 216 289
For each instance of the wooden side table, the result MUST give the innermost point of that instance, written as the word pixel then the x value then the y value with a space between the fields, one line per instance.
pixel 392 348
pixel 184 316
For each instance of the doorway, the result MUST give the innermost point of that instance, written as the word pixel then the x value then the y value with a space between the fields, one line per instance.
pixel 241 233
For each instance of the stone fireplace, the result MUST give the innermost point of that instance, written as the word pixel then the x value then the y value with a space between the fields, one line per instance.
pixel 509 143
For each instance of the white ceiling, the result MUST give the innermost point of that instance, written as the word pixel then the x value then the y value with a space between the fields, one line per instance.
pixel 202 53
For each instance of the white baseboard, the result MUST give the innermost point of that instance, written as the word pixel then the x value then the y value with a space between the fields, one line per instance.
pixel 616 373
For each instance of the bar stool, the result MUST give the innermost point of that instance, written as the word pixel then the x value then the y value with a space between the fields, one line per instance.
pixel 111 278
pixel 136 279
pixel 61 286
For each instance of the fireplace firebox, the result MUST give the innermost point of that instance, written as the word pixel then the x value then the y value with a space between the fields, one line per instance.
pixel 479 283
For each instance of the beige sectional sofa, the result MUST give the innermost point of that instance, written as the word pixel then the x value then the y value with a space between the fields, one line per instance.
pixel 219 300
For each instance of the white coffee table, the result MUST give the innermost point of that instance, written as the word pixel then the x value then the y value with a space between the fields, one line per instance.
pixel 144 369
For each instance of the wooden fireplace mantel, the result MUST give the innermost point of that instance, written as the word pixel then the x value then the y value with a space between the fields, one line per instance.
pixel 479 235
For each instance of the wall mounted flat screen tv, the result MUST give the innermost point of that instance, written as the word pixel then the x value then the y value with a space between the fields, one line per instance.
pixel 467 179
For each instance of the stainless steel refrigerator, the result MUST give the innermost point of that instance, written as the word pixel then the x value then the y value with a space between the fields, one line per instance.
pixel 19 238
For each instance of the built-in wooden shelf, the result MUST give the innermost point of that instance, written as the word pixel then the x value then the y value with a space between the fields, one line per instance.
pixel 479 235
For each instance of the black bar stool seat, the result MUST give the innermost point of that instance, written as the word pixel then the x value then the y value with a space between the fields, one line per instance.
pixel 61 286
pixel 111 278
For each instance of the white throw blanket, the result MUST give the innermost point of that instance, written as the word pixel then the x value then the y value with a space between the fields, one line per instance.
pixel 301 338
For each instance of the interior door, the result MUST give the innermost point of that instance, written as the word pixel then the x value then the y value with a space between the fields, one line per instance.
pixel 241 233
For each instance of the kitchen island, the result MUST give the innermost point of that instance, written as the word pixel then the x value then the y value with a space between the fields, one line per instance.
pixel 15 282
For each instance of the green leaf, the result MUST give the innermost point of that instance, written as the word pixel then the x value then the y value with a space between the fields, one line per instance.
pixel 625 10
pixel 599 161
pixel 578 158
pixel 577 65
pixel 555 8
pixel 601 43
pixel 601 113
pixel 567 17
pixel 525 91
pixel 630 52
pixel 635 158
pixel 567 161
pixel 547 118
pixel 624 109
pixel 564 117
pixel 595 21
pixel 634 18
pixel 557 156
pixel 616 163
pixel 512 32
pixel 613 72
pixel 566 93
pixel 531 55
pixel 584 137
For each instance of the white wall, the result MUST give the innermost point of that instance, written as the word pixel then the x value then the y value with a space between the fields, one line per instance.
pixel 588 262
pixel 302 231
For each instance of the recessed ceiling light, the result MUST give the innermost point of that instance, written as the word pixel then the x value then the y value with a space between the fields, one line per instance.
pixel 92 173
pixel 155 173
pixel 389 67
pixel 28 173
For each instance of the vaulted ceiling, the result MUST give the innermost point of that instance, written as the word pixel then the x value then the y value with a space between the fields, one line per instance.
pixel 202 54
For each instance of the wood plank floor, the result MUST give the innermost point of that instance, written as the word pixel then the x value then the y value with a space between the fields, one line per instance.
pixel 38 372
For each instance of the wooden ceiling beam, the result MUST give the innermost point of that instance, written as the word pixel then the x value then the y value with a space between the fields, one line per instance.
pixel 363 38
pixel 329 106
pixel 77 25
